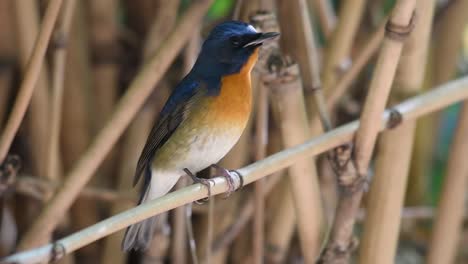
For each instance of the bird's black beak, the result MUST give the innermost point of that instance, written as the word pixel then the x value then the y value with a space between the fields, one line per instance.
pixel 259 38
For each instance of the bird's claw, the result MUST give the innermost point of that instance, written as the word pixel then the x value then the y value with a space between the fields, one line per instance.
pixel 205 182
pixel 227 174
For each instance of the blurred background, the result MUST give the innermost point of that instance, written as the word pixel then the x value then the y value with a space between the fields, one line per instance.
pixel 106 44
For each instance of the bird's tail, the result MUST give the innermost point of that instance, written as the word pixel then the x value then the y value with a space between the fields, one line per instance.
pixel 139 236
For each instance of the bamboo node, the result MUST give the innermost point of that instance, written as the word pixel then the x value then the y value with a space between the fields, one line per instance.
pixel 57 252
pixel 8 171
pixel 399 32
pixel 395 118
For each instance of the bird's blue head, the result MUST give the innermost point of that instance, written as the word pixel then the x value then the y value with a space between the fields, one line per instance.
pixel 227 49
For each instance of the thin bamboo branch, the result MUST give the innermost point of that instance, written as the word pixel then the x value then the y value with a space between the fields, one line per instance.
pixel 337 54
pixel 326 15
pixel 30 78
pixel 125 111
pixel 410 110
pixel 353 174
pixel 449 217
pixel 393 160
pixel 58 81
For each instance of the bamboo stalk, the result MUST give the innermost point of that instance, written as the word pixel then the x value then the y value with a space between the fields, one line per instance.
pixel 288 102
pixel 261 139
pixel 326 15
pixel 28 26
pixel 106 69
pixel 448 30
pixel 125 111
pixel 300 42
pixel 281 229
pixel 353 174
pixel 449 217
pixel 58 81
pixel 393 161
pixel 337 54
pixel 410 110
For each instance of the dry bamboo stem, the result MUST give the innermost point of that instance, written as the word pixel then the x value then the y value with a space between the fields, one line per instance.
pixel 449 216
pixel 288 102
pixel 410 110
pixel 353 174
pixel 341 42
pixel 326 15
pixel 28 26
pixel 446 46
pixel 261 140
pixel 125 111
pixel 58 81
pixel 392 165
pixel 281 229
pixel 104 31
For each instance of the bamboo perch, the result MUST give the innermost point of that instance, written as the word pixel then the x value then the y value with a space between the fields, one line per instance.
pixel 410 110
pixel 388 186
pixel 287 100
pixel 30 78
pixel 126 109
pixel 353 175
pixel 449 217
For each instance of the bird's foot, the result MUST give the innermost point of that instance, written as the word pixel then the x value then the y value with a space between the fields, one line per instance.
pixel 206 182
pixel 229 179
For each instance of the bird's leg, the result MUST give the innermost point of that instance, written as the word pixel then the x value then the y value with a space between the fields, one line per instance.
pixel 229 178
pixel 206 182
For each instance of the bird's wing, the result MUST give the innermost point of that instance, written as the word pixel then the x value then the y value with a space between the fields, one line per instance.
pixel 174 112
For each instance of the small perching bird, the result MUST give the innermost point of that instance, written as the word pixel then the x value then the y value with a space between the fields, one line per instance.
pixel 201 121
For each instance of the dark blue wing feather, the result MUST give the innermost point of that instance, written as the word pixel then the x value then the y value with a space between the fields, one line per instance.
pixel 172 115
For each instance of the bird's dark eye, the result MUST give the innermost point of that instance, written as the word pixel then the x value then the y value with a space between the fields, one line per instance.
pixel 235 41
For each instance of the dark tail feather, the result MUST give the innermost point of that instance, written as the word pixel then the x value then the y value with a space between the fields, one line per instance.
pixel 138 236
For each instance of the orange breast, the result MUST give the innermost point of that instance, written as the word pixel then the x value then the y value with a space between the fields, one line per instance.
pixel 234 103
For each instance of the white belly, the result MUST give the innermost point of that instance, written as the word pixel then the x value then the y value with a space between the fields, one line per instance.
pixel 208 148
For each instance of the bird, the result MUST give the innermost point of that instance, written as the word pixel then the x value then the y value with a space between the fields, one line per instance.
pixel 202 119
